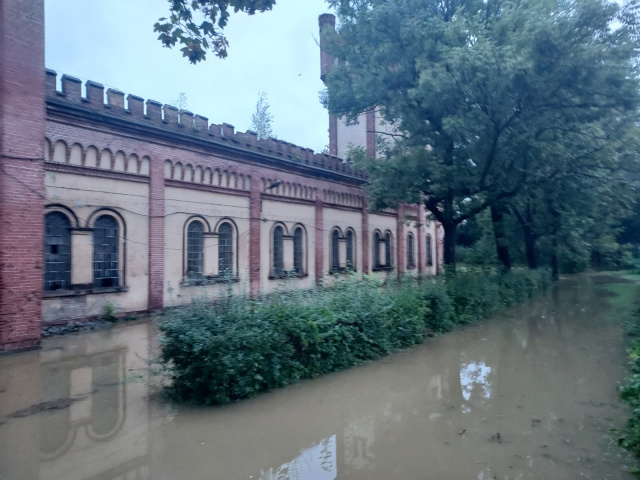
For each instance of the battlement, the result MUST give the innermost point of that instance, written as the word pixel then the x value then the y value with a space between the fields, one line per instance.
pixel 150 112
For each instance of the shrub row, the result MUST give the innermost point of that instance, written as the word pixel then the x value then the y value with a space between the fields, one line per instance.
pixel 216 353
pixel 630 390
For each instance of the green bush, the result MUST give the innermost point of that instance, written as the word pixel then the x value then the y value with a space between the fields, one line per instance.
pixel 217 353
pixel 630 390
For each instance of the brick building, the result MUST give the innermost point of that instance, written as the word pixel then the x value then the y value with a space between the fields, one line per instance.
pixel 134 204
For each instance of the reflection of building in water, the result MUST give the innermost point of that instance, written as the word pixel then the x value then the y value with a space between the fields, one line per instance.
pixel 103 434
pixel 313 463
pixel 359 438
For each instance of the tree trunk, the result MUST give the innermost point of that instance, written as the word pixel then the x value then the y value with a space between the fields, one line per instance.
pixel 555 271
pixel 499 233
pixel 530 239
pixel 449 252
pixel 555 231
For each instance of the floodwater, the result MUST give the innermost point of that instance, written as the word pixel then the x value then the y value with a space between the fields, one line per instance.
pixel 530 394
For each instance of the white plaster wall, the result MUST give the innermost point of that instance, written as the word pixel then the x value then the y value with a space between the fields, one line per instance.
pixel 180 205
pixel 351 135
pixel 84 196
pixel 382 129
pixel 290 214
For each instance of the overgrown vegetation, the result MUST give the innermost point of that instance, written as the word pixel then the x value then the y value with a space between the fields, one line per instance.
pixel 626 301
pixel 236 348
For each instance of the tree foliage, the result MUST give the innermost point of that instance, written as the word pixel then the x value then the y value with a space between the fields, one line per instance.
pixel 485 97
pixel 198 25
pixel 261 118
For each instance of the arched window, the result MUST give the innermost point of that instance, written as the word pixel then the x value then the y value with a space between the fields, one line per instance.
pixel 225 249
pixel 376 250
pixel 335 251
pixel 350 260
pixel 278 263
pixel 429 254
pixel 387 249
pixel 57 251
pixel 106 241
pixel 195 249
pixel 298 253
pixel 410 257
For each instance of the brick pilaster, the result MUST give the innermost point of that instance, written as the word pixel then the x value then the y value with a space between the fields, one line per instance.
pixel 401 257
pixel 156 234
pixel 319 238
pixel 371 132
pixel 255 201
pixel 422 238
pixel 22 127
pixel 333 135
pixel 365 238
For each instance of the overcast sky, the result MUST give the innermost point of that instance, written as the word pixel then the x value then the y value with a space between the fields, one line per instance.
pixel 112 42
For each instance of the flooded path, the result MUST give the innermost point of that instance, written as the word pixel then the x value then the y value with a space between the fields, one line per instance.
pixel 530 394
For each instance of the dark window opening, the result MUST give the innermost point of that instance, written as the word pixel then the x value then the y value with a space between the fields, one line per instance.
pixel 297 251
pixel 106 241
pixel 387 250
pixel 278 264
pixel 57 252
pixel 225 249
pixel 350 262
pixel 376 250
pixel 429 254
pixel 335 251
pixel 410 257
pixel 195 250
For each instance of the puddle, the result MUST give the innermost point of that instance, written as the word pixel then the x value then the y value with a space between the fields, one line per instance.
pixel 530 394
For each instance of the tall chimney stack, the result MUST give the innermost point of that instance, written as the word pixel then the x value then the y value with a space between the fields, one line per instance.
pixel 327 23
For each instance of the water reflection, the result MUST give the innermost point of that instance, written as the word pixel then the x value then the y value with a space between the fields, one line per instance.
pixel 529 395
pixel 96 436
pixel 314 463
pixel 475 379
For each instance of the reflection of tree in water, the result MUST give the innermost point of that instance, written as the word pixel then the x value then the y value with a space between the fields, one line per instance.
pixel 314 463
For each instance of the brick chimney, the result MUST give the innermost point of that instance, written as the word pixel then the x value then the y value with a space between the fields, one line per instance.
pixel 22 130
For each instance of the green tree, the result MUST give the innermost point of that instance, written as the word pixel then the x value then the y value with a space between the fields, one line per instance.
pixel 261 118
pixel 198 25
pixel 483 95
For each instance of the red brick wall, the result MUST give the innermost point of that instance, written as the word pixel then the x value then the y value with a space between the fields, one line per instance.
pixel 156 233
pixel 365 239
pixel 400 243
pixel 371 133
pixel 254 236
pixel 422 239
pixel 319 257
pixel 22 124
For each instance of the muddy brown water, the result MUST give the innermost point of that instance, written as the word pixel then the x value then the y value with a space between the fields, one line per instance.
pixel 529 394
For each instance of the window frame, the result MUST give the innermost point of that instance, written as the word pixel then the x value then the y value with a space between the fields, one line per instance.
pixel 230 250
pixel 68 263
pixel 119 283
pixel 277 251
pixel 334 266
pixel 410 247
pixel 197 277
pixel 376 250
pixel 429 250
pixel 299 251
pixel 351 245
pixel 385 239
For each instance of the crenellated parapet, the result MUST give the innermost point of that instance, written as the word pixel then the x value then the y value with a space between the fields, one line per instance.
pixel 115 103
